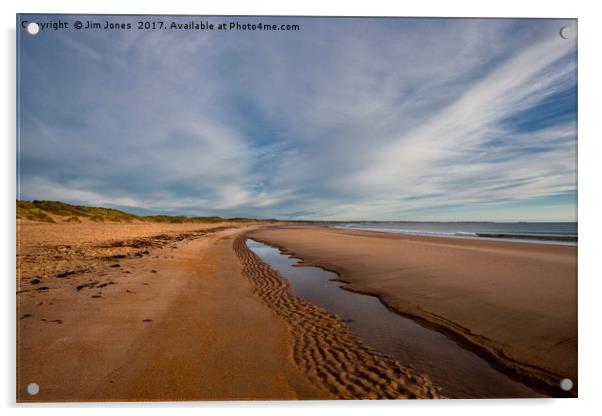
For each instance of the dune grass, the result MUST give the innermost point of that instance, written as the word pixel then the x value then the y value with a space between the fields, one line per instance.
pixel 42 211
pixel 48 211
pixel 28 210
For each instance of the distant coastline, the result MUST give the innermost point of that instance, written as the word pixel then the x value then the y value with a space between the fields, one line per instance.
pixel 547 232
pixel 542 232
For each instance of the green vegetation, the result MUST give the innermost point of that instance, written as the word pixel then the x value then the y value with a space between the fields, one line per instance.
pixel 33 209
pixel 29 211
pixel 46 210
pixel 180 219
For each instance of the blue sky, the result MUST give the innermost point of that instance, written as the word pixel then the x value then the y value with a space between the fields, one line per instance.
pixel 376 119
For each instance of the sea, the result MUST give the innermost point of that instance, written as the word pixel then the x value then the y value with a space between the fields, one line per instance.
pixel 547 232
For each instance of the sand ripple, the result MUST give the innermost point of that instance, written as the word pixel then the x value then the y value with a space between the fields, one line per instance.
pixel 325 349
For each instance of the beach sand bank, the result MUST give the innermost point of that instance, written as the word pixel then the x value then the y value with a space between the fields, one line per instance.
pixel 177 323
pixel 515 303
pixel 143 311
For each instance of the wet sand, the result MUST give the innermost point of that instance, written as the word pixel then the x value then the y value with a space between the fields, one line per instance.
pixel 459 372
pixel 324 346
pixel 514 303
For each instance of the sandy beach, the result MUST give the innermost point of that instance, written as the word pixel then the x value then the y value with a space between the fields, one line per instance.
pixel 514 303
pixel 145 311
pixel 163 325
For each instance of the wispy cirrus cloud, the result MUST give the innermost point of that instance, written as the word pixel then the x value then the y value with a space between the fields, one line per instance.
pixel 348 119
pixel 467 154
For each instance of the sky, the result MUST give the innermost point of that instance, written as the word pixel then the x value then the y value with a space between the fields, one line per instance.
pixel 344 119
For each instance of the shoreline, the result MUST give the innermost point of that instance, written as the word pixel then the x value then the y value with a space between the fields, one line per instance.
pixel 500 237
pixel 114 313
pixel 536 377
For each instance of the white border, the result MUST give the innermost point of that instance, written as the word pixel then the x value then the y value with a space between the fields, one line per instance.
pixel 589 193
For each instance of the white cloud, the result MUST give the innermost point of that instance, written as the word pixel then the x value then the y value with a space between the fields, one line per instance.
pixel 362 118
pixel 448 148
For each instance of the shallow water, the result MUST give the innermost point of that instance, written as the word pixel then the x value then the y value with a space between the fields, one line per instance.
pixel 459 372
